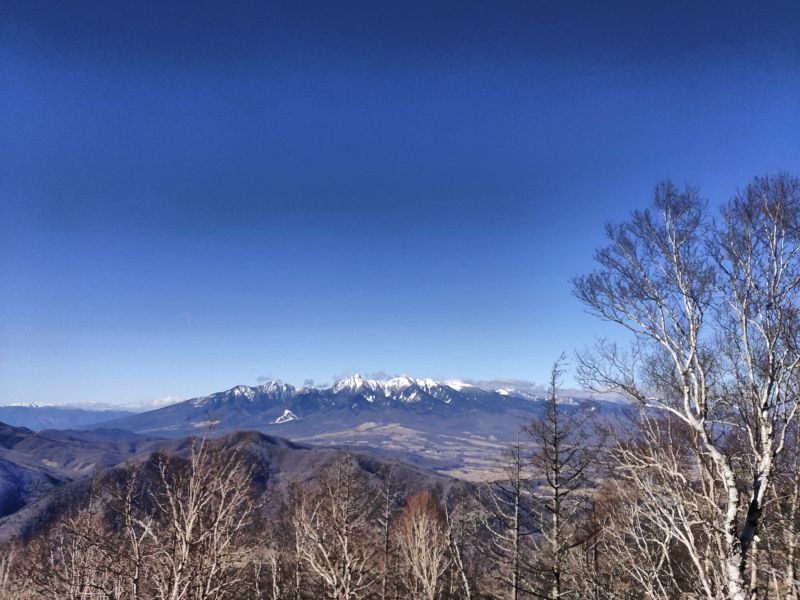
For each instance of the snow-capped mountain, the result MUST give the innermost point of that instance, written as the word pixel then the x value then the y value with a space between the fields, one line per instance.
pixel 443 422
pixel 350 401
pixel 358 394
pixel 405 389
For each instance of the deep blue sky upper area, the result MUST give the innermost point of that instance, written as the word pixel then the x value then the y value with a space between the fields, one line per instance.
pixel 194 195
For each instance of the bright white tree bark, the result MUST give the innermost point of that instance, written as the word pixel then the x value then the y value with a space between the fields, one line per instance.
pixel 420 533
pixel 714 311
pixel 335 538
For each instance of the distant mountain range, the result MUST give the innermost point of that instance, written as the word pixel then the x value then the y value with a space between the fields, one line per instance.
pixel 452 427
pixel 353 399
pixel 42 416
pixel 455 427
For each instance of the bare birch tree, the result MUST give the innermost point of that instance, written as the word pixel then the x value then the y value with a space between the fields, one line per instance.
pixel 336 536
pixel 420 533
pixel 75 561
pixel 713 308
pixel 205 507
pixel 781 551
pixel 666 496
pixel 5 574
pixel 388 499
pixel 457 540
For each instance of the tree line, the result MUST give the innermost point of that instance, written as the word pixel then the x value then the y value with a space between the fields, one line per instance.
pixel 694 494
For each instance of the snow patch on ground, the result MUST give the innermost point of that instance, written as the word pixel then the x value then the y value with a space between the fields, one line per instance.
pixel 286 417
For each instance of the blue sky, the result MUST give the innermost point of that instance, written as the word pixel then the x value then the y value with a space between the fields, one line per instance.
pixel 196 195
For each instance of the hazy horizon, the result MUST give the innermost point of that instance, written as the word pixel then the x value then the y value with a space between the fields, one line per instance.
pixel 155 403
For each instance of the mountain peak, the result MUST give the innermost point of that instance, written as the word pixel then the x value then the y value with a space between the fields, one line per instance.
pixel 399 383
pixel 243 390
pixel 272 387
pixel 356 383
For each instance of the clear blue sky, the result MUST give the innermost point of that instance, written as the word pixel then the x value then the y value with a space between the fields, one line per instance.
pixel 197 194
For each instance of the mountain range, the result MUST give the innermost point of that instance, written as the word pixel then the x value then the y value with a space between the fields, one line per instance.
pixel 44 416
pixel 454 427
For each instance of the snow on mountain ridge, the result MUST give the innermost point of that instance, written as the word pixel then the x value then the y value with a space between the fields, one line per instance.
pixel 401 388
pixel 399 383
pixel 243 390
pixel 355 383
pixel 276 387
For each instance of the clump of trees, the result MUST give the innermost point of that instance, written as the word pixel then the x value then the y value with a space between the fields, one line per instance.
pixel 696 495
pixel 171 529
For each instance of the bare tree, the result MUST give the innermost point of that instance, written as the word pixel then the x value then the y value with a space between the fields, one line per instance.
pixel 388 498
pixel 790 526
pixel 666 496
pixel 74 560
pixel 267 574
pixel 13 585
pixel 204 508
pixel 131 537
pixel 508 520
pixel 170 528
pixel 781 546
pixel 561 455
pixel 535 516
pixel 713 308
pixel 335 532
pixel 420 533
pixel 5 574
pixel 598 567
pixel 456 540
